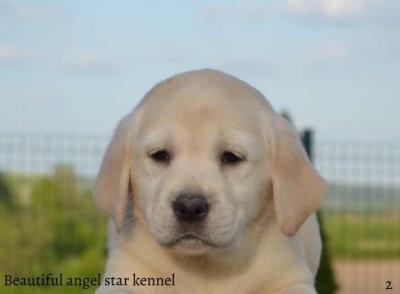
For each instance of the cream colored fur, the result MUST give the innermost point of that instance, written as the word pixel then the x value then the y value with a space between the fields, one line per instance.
pixel 261 231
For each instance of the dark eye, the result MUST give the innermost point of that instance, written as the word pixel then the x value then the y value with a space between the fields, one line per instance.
pixel 230 158
pixel 161 156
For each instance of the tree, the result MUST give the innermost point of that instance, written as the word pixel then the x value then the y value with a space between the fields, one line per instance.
pixel 5 194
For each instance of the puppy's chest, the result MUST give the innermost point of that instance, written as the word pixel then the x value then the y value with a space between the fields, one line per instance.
pixel 203 287
pixel 183 281
pixel 167 278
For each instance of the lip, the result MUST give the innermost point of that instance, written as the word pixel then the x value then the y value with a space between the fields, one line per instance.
pixel 189 238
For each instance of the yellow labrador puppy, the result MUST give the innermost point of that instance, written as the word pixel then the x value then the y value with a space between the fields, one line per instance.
pixel 210 191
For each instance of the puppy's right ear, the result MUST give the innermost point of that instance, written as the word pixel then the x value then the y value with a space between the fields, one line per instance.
pixel 112 183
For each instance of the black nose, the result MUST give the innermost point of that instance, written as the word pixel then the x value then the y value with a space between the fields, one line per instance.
pixel 190 208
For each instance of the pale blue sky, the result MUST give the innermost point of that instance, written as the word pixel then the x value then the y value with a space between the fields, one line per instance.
pixel 79 66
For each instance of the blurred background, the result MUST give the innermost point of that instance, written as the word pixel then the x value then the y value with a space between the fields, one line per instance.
pixel 69 70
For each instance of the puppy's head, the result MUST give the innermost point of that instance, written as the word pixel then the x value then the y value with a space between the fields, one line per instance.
pixel 202 157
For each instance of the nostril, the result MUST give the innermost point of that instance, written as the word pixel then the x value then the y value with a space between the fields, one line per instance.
pixel 190 208
pixel 201 209
pixel 179 208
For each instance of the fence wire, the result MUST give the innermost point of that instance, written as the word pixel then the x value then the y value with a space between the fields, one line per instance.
pixel 362 213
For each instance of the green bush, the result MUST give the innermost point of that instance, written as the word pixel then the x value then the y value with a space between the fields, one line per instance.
pixel 51 226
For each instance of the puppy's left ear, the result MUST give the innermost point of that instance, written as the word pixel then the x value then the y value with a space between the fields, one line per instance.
pixel 298 189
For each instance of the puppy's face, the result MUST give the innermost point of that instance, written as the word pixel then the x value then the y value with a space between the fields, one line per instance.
pixel 200 170
pixel 202 155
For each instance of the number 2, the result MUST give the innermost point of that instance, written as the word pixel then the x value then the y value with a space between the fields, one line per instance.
pixel 389 285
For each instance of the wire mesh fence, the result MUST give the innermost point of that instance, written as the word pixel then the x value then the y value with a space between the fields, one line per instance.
pixel 362 213
pixel 50 225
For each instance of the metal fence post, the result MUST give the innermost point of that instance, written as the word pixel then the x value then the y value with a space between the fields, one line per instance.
pixel 307 138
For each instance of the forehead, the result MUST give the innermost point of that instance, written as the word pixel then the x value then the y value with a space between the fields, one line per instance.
pixel 202 108
pixel 206 97
pixel 203 127
pixel 199 122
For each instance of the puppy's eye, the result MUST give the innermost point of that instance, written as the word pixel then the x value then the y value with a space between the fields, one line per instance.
pixel 161 156
pixel 230 158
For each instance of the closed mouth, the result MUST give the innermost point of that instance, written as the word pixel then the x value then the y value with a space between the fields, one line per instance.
pixel 190 238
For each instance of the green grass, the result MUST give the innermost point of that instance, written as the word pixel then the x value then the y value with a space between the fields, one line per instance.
pixel 363 236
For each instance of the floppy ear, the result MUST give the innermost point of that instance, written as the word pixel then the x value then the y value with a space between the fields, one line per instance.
pixel 112 183
pixel 298 189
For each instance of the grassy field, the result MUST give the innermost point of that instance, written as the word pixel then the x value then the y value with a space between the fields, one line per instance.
pixel 363 236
